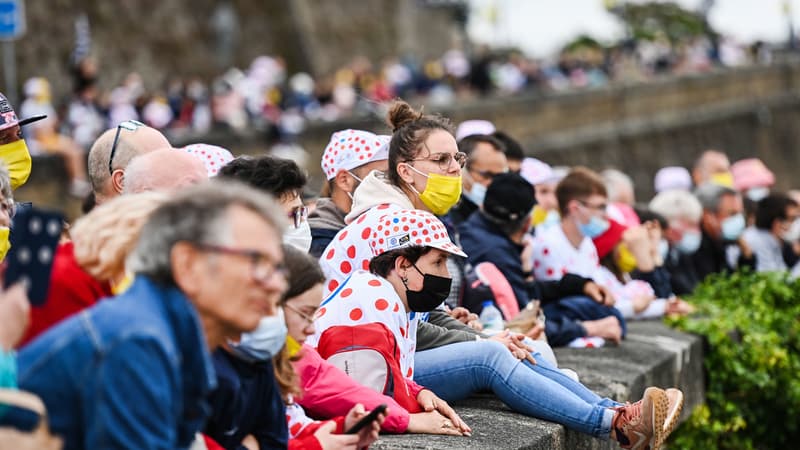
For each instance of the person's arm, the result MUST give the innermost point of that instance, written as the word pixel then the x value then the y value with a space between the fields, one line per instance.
pixel 129 403
pixel 433 336
pixel 569 285
pixel 445 320
pixel 658 278
pixel 328 392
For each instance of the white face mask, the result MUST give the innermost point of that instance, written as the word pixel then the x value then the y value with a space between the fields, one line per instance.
pixel 476 194
pixel 299 238
pixel 793 233
pixel 756 194
pixel 265 341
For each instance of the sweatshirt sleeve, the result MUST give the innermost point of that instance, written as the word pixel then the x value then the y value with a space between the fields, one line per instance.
pixel 329 392
pixel 431 336
pixel 569 285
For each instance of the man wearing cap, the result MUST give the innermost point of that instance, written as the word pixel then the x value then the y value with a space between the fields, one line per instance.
pixel 113 150
pixel 498 233
pixel 13 149
pixel 485 160
pixel 349 157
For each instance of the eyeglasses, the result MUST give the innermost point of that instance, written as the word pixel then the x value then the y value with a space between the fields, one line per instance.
pixel 130 125
pixel 444 160
pixel 487 174
pixel 298 215
pixel 601 207
pixel 304 316
pixel 261 266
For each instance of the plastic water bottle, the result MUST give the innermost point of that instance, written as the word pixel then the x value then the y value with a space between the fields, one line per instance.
pixel 491 318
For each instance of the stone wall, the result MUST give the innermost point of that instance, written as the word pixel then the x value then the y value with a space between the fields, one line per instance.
pixel 164 38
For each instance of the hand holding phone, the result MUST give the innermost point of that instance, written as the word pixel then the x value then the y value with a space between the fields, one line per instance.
pixel 368 419
pixel 34 236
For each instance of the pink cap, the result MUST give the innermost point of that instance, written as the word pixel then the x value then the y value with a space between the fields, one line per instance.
pixel 673 177
pixel 406 227
pixel 472 127
pixel 212 156
pixel 537 172
pixel 349 149
pixel 750 173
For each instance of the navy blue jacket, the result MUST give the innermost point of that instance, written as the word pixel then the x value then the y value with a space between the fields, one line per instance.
pixel 247 401
pixel 483 241
pixel 129 373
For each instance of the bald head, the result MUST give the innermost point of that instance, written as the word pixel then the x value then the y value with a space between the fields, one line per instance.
pixel 165 169
pixel 131 143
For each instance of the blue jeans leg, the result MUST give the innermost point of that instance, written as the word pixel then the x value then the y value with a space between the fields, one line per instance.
pixel 456 371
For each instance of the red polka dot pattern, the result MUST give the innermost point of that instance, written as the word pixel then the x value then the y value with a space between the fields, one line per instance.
pixel 432 232
pixel 356 314
pixel 212 156
pixel 349 149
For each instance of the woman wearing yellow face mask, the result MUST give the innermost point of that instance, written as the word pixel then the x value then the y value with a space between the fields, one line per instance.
pixel 424 173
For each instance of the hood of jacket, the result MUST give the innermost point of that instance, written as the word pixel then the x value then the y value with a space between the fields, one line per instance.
pixel 376 190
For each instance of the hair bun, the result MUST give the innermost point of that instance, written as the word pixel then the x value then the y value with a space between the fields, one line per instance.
pixel 401 113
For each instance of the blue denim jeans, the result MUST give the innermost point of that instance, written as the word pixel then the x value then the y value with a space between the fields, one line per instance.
pixel 455 371
pixel 562 324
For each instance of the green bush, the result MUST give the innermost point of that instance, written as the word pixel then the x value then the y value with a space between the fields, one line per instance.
pixel 752 326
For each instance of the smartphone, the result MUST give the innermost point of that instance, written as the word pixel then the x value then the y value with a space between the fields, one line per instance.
pixel 366 420
pixel 35 233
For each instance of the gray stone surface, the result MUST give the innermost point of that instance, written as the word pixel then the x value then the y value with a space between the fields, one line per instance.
pixel 652 354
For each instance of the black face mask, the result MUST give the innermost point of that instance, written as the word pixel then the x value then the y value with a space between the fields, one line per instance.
pixel 434 291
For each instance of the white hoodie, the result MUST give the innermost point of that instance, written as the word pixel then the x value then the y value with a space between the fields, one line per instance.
pixel 349 250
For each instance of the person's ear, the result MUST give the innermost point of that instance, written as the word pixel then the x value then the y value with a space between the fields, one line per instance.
pixel 118 181
pixel 344 181
pixel 186 264
pixel 405 172
pixel 401 266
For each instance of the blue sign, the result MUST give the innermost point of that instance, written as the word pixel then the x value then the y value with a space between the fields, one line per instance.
pixel 12 19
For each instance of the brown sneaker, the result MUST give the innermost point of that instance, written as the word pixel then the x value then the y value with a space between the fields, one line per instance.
pixel 675 398
pixel 641 425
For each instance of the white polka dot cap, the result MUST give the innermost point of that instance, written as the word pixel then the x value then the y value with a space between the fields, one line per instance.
pixel 406 227
pixel 349 149
pixel 537 172
pixel 212 156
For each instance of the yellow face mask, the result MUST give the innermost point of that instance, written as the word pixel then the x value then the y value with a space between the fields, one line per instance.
pixel 625 260
pixel 538 216
pixel 18 160
pixel 723 179
pixel 441 192
pixel 5 243
pixel 292 346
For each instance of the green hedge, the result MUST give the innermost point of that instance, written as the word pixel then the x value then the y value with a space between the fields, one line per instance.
pixel 752 326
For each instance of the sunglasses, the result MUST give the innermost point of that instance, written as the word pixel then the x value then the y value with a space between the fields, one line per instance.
pixel 298 215
pixel 130 125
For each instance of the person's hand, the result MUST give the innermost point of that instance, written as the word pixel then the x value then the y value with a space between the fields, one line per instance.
pixel 431 423
pixel 514 343
pixel 430 402
pixel 526 256
pixel 14 310
pixel 641 302
pixel 369 433
pixel 747 252
pixel 464 316
pixel 330 441
pixel 599 293
pixel 535 332
pixel 679 307
pixel 607 328
pixel 637 239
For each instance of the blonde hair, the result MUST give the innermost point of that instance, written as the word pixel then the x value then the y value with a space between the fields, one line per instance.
pixel 104 237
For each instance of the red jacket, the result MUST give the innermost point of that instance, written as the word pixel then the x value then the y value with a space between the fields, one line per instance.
pixel 329 392
pixel 71 290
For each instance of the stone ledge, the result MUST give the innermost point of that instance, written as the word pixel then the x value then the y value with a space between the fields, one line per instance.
pixel 653 354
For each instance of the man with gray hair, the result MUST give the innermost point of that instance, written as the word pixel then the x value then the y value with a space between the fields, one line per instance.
pixel 135 372
pixel 165 169
pixel 683 212
pixel 113 150
pixel 619 186
pixel 722 223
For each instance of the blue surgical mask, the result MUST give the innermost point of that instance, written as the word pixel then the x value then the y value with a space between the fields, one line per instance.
pixel 265 341
pixel 476 194
pixel 690 242
pixel 552 218
pixel 595 227
pixel 756 194
pixel 663 249
pixel 732 227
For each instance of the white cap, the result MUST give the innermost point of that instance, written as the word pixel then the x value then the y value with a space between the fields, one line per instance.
pixel 472 127
pixel 349 149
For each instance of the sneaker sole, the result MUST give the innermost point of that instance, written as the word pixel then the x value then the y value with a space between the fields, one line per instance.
pixel 672 419
pixel 660 407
